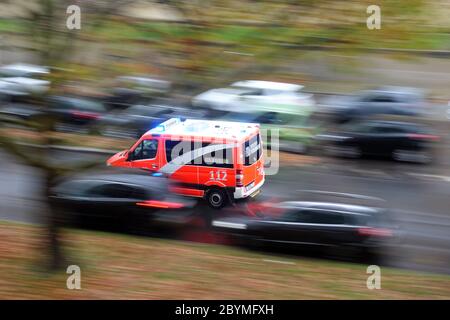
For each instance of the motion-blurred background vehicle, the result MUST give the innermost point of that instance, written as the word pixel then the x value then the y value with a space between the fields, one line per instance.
pixel 256 94
pixel 275 105
pixel 330 227
pixel 384 100
pixel 75 113
pixel 133 90
pixel 402 141
pixel 72 113
pixel 134 121
pixel 126 197
pixel 23 79
pixel 294 127
pixel 14 113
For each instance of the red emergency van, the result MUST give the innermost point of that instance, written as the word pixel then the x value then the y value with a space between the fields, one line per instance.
pixel 217 160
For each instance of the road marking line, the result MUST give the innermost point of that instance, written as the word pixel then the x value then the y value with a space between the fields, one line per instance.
pixel 432 176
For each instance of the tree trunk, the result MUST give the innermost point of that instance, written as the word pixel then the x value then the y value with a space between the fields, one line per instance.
pixel 53 225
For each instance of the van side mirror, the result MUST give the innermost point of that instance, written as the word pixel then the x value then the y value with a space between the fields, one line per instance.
pixel 267 163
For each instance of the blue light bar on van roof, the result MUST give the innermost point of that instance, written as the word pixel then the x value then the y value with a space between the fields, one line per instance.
pixel 159 128
pixel 167 124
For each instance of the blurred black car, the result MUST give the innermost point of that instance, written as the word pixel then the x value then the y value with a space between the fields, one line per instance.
pixel 403 141
pixel 325 226
pixel 128 197
pixel 131 122
pixel 133 90
pixel 17 112
pixel 73 112
pixel 138 119
pixel 122 98
pixel 385 100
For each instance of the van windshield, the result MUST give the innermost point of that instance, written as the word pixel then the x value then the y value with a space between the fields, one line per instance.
pixel 251 150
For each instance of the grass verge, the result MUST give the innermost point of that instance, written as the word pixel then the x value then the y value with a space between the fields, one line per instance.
pixel 126 267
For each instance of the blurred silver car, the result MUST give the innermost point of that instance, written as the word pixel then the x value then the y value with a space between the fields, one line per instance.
pixel 254 93
pixel 23 79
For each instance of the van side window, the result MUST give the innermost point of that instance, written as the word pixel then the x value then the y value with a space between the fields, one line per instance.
pixel 213 155
pixel 147 149
pixel 177 148
pixel 202 154
pixel 252 150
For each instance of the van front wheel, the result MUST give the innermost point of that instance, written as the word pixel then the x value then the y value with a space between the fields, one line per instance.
pixel 216 198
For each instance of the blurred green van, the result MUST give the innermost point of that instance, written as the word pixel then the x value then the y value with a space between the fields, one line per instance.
pixel 296 132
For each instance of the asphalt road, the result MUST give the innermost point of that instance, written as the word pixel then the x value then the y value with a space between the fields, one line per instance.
pixel 417 196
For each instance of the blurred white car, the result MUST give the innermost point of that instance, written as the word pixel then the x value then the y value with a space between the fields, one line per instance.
pixel 10 89
pixel 144 84
pixel 23 79
pixel 254 93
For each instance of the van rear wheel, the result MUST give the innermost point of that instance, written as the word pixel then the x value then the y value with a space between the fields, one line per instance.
pixel 216 198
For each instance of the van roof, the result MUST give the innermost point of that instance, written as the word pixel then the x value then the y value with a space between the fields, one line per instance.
pixel 235 131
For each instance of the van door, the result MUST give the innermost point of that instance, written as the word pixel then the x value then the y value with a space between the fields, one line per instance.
pixel 253 167
pixel 215 164
pixel 179 167
pixel 146 155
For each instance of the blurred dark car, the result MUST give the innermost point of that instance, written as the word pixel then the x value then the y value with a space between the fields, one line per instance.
pixel 131 122
pixel 75 111
pixel 327 226
pixel 138 119
pixel 129 197
pixel 132 90
pixel 385 100
pixel 16 112
pixel 122 98
pixel 403 141
pixel 71 112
